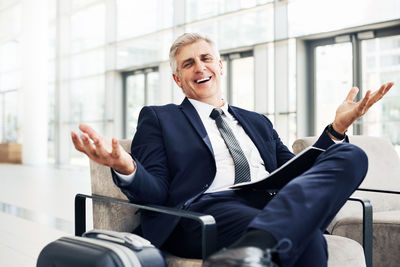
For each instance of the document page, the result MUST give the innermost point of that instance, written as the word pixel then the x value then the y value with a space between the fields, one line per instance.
pixel 284 174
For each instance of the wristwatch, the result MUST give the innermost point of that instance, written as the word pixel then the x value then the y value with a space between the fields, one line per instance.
pixel 332 131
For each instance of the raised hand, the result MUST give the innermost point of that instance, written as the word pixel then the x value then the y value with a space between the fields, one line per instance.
pixel 103 150
pixel 349 111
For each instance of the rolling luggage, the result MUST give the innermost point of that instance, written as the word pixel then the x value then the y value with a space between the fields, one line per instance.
pixel 101 248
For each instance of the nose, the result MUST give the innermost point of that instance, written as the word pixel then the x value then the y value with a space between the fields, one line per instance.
pixel 199 66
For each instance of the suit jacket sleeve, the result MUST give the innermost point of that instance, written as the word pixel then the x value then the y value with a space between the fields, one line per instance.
pixel 324 141
pixel 150 184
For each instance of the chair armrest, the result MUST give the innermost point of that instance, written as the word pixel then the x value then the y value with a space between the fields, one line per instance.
pixel 378 191
pixel 367 228
pixel 208 225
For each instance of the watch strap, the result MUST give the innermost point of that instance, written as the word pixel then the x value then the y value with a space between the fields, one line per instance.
pixel 332 131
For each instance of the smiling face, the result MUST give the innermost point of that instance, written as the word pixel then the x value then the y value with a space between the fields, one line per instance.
pixel 199 72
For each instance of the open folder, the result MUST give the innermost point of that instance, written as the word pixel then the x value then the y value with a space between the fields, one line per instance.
pixel 284 174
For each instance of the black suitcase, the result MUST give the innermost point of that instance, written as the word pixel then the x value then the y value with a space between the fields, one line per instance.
pixel 101 248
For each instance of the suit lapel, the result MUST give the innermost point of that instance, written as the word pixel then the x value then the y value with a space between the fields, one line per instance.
pixel 244 122
pixel 194 119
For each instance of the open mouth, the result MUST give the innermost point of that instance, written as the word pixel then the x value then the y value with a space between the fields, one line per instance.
pixel 203 80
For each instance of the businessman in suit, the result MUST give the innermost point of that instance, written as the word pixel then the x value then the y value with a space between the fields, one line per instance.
pixel 186 155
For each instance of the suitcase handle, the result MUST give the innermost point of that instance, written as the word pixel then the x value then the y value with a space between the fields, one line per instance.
pixel 130 240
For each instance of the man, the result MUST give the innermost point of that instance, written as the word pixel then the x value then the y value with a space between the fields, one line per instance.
pixel 186 155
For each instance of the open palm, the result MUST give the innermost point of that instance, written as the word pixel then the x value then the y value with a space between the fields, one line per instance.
pixel 349 111
pixel 103 150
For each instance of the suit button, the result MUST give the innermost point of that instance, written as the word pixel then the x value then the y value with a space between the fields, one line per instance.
pixel 206 186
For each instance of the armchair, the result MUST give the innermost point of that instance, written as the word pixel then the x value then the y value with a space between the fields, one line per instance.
pixel 112 211
pixel 382 187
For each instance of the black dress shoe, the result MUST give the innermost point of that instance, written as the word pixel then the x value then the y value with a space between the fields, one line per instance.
pixel 243 257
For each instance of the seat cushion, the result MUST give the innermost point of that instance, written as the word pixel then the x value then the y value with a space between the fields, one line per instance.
pixel 343 252
pixel 386 235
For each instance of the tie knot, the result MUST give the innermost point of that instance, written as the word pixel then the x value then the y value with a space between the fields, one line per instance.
pixel 215 113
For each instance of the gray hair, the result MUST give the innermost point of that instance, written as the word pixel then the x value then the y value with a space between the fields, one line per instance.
pixel 187 39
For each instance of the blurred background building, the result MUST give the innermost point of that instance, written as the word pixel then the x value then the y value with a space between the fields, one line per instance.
pixel 65 62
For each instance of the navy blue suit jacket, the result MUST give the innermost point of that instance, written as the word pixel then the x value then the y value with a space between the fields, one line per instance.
pixel 175 159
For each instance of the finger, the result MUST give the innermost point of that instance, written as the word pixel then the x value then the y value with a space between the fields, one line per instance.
pixel 363 104
pixel 115 153
pixel 77 142
pixel 352 94
pixel 89 148
pixel 377 95
pixel 389 85
pixel 383 90
pixel 90 132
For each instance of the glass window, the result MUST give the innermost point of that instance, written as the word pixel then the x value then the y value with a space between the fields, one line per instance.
pixel 89 63
pixel 196 10
pixel 10 80
pixel 142 88
pixel 242 94
pixel 11 116
pixel 292 92
pixel 51 102
pixel 246 29
pixel 52 41
pixel 303 14
pixel 153 89
pixel 157 15
pixel 10 56
pixel 224 80
pixel 87 99
pixel 383 119
pixel 135 99
pixel 149 49
pixel 51 78
pixel 292 129
pixel 208 28
pixel 233 5
pixel 10 21
pixel 51 143
pixel 334 78
pixel 52 9
pixel 88 28
pixel 75 4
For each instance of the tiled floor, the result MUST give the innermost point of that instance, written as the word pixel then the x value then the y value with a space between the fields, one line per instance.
pixel 36 207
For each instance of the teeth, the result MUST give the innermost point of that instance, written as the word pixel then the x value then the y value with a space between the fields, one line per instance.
pixel 203 80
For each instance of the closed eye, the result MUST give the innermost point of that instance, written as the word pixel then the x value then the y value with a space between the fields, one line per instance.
pixel 187 63
pixel 207 58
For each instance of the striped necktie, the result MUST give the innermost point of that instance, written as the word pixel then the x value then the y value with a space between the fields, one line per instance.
pixel 242 169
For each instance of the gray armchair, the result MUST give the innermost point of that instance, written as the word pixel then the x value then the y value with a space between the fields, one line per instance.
pixel 112 211
pixel 381 186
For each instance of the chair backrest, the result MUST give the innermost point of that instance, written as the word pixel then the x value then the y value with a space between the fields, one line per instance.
pixel 111 216
pixel 383 168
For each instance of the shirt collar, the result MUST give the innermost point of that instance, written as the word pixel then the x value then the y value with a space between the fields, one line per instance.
pixel 204 109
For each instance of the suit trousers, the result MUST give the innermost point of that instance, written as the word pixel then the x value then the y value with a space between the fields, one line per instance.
pixel 300 211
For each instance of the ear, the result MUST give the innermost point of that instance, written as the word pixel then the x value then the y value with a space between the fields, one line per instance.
pixel 221 69
pixel 177 80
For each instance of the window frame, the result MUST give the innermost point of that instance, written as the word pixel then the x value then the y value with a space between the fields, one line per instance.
pixel 355 38
pixel 125 76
